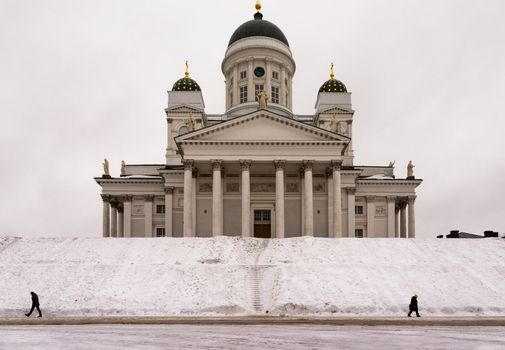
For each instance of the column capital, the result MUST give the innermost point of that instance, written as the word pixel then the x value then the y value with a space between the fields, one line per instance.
pixel 411 199
pixel 245 164
pixel 148 197
pixel 106 198
pixel 169 190
pixel 114 203
pixel 127 198
pixel 391 198
pixel 279 164
pixel 250 60
pixel 351 190
pixel 216 164
pixel 169 120
pixel 307 164
pixel 336 164
pixel 401 204
pixel 120 208
pixel 188 164
pixel 370 198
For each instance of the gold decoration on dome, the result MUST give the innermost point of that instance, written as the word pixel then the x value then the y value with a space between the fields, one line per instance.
pixel 332 76
pixel 187 70
pixel 258 5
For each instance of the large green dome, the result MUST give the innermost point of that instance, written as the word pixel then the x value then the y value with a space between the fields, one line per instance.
pixel 258 27
pixel 186 84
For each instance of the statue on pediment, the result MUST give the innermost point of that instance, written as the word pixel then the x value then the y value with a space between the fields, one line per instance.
pixel 262 100
pixel 123 168
pixel 392 164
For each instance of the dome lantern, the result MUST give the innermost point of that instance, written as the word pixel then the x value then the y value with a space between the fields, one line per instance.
pixel 333 85
pixel 186 83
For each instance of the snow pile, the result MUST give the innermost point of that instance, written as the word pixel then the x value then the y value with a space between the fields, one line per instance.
pixel 236 276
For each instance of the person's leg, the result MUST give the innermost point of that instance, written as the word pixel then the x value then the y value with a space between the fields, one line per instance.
pixel 40 313
pixel 31 310
pixel 417 313
pixel 410 311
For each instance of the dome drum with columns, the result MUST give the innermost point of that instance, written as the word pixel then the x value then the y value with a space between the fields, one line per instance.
pixel 258 169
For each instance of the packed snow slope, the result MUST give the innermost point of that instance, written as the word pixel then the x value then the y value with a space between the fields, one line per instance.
pixel 236 276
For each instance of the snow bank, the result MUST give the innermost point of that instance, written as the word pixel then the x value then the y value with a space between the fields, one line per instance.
pixel 236 276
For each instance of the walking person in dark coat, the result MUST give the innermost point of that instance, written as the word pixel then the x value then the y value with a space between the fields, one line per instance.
pixel 35 304
pixel 413 306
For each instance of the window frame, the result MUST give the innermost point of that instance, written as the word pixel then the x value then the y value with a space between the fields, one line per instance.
pixel 243 94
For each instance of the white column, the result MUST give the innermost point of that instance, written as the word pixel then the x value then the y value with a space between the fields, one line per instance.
pixel 120 221
pixel 403 220
pixel 337 199
pixel 234 102
pixel 412 217
pixel 250 82
pixel 351 213
pixel 169 150
pixel 302 200
pixel 279 198
pixel 169 208
pixel 268 79
pixel 106 216
pixel 290 93
pixel 188 205
pixel 128 215
pixel 370 216
pixel 308 211
pixel 217 197
pixel 391 216
pixel 329 186
pixel 113 218
pixel 283 86
pixel 246 197
pixel 148 215
pixel 194 175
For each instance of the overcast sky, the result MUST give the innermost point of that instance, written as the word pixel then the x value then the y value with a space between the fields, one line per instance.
pixel 84 80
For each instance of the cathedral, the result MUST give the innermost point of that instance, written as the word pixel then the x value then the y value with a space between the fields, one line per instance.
pixel 258 169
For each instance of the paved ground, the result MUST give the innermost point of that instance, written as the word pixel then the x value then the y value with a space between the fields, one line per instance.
pixel 255 320
pixel 237 337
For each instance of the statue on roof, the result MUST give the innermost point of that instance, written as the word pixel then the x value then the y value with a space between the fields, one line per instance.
pixel 123 168
pixel 410 170
pixel 105 167
pixel 262 100
pixel 190 123
pixel 335 125
pixel 392 164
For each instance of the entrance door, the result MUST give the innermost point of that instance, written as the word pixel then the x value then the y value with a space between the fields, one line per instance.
pixel 262 224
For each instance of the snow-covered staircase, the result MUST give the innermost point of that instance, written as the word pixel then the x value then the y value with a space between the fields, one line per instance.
pixel 257 291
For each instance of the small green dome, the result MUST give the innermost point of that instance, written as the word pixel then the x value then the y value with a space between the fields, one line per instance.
pixel 333 85
pixel 186 84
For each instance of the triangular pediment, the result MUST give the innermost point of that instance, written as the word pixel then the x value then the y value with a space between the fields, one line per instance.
pixel 337 110
pixel 183 109
pixel 262 126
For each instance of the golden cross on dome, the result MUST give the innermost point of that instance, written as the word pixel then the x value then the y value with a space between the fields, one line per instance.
pixel 332 76
pixel 187 70
pixel 258 5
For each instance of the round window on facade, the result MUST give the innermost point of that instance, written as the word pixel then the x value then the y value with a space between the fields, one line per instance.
pixel 259 72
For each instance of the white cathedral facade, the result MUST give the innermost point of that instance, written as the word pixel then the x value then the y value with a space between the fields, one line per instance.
pixel 258 170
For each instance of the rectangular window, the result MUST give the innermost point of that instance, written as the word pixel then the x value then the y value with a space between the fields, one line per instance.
pixel 275 94
pixel 160 232
pixel 243 74
pixel 257 89
pixel 262 215
pixel 358 210
pixel 243 94
pixel 160 209
pixel 275 75
pixel 358 233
